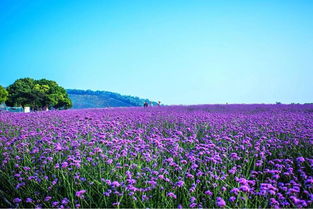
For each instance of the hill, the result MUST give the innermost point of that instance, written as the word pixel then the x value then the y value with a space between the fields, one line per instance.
pixel 99 99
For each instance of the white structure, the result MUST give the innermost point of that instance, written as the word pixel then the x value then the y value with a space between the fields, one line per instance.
pixel 26 109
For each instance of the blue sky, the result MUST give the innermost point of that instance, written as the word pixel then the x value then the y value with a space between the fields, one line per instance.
pixel 178 52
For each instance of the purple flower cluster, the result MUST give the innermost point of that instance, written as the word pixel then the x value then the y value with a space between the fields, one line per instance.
pixel 193 156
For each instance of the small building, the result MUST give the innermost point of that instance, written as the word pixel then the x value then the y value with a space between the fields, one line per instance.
pixel 26 109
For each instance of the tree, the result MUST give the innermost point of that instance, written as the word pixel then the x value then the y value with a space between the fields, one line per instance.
pixel 38 94
pixel 20 92
pixel 3 94
pixel 55 95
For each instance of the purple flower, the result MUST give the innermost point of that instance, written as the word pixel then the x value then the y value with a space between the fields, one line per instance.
pixel 184 162
pixel 144 197
pixel 65 201
pixel 116 204
pixel 80 194
pixel 273 202
pixel 208 192
pixel 235 191
pixel 17 200
pixel 83 179
pixel 193 205
pixel 244 188
pixel 64 164
pixel 55 203
pixel 115 184
pixel 300 159
pixel 171 194
pixel 232 171
pixel 48 198
pixel 193 199
pixel 153 183
pixel 232 199
pixel 234 155
pixel 220 202
pixel 180 183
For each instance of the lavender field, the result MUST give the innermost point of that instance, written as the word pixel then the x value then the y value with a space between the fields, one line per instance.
pixel 159 157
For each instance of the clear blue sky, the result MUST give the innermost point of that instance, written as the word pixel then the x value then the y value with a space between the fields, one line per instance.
pixel 178 52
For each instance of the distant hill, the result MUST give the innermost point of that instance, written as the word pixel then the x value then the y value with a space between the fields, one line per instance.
pixel 99 99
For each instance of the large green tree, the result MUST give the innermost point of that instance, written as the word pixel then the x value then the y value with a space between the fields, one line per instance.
pixel 38 94
pixel 20 92
pixel 3 94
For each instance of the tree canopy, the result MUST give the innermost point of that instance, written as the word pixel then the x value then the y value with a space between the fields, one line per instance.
pixel 3 94
pixel 38 94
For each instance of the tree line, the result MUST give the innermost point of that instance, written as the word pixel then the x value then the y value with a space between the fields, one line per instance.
pixel 132 100
pixel 36 94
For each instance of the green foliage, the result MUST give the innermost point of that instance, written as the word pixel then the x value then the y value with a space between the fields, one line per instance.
pixel 38 94
pixel 3 94
pixel 98 99
pixel 20 92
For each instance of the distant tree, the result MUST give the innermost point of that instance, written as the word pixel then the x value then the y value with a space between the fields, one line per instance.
pixel 38 94
pixel 3 94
